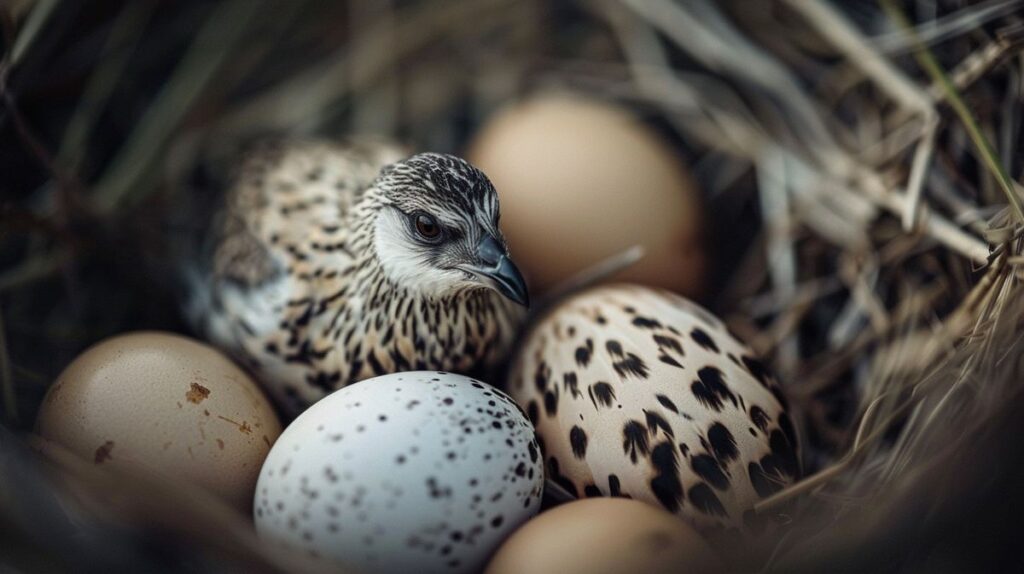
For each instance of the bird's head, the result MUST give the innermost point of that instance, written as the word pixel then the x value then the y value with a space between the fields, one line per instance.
pixel 436 231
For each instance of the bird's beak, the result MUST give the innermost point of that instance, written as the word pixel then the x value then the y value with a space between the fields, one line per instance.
pixel 496 270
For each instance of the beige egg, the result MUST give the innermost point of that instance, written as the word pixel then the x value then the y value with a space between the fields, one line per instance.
pixel 605 536
pixel 165 403
pixel 579 181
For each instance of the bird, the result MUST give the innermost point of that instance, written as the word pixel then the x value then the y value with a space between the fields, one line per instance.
pixel 330 262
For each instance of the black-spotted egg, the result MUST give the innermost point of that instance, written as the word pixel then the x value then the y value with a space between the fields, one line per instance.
pixel 409 472
pixel 639 392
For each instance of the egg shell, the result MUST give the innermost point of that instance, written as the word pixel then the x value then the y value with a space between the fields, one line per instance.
pixel 167 404
pixel 409 472
pixel 640 392
pixel 580 180
pixel 605 536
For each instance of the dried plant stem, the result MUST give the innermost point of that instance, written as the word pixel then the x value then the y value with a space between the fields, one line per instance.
pixel 918 171
pixel 124 36
pixel 981 295
pixel 932 224
pixel 813 482
pixel 210 49
pixel 976 65
pixel 839 360
pixel 968 18
pixel 780 251
pixel 984 287
pixel 7 391
pixel 306 95
pixel 938 75
pixel 36 19
pixel 835 29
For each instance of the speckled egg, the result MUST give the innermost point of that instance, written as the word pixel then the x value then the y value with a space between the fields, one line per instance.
pixel 409 472
pixel 165 403
pixel 639 392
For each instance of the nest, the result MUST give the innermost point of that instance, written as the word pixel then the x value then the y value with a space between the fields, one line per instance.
pixel 871 151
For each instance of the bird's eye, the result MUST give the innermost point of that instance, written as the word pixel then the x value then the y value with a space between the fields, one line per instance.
pixel 427 226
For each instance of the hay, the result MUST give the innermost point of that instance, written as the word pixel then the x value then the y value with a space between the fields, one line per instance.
pixel 875 146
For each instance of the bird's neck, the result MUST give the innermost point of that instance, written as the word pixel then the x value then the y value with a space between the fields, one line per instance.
pixel 470 323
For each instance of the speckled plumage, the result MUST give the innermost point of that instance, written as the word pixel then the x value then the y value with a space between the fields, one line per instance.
pixel 314 282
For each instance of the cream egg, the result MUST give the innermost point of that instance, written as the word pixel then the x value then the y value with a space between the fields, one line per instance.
pixel 605 536
pixel 166 403
pixel 581 180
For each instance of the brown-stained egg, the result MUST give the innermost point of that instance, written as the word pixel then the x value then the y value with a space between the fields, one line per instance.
pixel 639 392
pixel 581 180
pixel 605 536
pixel 165 403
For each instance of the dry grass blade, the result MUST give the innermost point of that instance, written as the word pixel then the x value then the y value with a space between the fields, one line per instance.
pixel 984 147
pixel 890 404
pixel 31 270
pixel 862 55
pixel 8 394
pixel 33 26
pixel 212 45
pixel 301 101
pixel 980 62
pixel 124 37
pixel 961 22
pixel 834 471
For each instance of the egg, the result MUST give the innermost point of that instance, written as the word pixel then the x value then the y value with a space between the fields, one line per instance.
pixel 165 403
pixel 580 180
pixel 408 472
pixel 639 392
pixel 605 536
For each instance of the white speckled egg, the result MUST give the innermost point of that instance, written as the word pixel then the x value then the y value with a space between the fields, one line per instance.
pixel 409 472
pixel 639 392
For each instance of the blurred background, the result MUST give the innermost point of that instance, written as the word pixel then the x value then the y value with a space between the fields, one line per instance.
pixel 839 180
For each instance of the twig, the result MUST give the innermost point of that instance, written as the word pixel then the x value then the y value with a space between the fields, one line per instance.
pixel 918 170
pixel 591 276
pixel 961 22
pixel 835 29
pixel 933 224
pixel 699 28
pixel 978 63
pixel 934 69
pixel 837 361
pixel 823 477
pixel 779 248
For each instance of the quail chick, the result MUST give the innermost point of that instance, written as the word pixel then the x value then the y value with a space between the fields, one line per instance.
pixel 332 263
